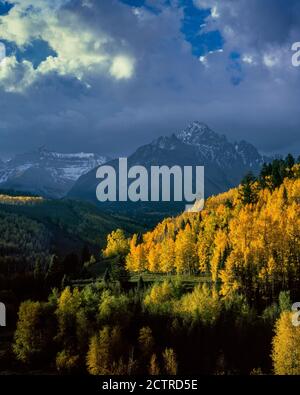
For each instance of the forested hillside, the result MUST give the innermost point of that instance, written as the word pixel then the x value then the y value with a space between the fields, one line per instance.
pixel 247 239
pixel 44 240
pixel 73 221
pixel 23 243
pixel 242 257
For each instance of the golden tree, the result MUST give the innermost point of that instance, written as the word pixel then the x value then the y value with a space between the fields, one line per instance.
pixel 186 259
pixel 286 350
pixel 117 244
pixel 154 369
pixel 170 361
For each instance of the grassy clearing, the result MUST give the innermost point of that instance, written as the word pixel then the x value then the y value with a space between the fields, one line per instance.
pixel 159 277
pixel 188 281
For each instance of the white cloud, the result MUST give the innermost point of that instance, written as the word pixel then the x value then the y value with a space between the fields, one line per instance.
pixel 122 67
pixel 270 60
pixel 80 49
pixel 203 59
pixel 170 86
pixel 205 3
pixel 2 52
pixel 215 12
pixel 15 76
pixel 248 59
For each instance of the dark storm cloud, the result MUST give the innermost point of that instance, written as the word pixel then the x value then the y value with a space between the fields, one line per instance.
pixel 88 109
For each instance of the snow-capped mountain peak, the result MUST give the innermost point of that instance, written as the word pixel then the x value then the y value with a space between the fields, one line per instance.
pixel 47 172
pixel 197 133
pixel 225 163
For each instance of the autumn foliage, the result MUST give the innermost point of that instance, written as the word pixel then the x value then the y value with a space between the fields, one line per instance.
pixel 253 247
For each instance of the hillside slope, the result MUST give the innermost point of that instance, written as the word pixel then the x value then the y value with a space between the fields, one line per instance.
pixel 246 239
pixel 69 224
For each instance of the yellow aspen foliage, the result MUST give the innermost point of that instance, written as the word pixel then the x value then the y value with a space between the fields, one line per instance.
pixel 229 276
pixel 170 361
pixel 204 252
pixel 247 246
pixel 167 256
pixel 186 259
pixel 102 357
pixel 220 245
pixel 117 244
pixel 65 297
pixel 200 303
pixel 98 354
pixel 205 242
pixel 296 171
pixel 146 340
pixel 154 369
pixel 66 363
pixel 32 335
pixel 136 260
pixel 286 350
pixel 153 259
pixel 69 300
pixel 159 293
pixel 140 258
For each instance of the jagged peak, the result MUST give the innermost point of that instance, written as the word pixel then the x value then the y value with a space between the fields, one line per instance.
pixel 196 132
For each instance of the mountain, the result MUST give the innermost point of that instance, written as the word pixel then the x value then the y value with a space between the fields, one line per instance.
pixel 225 165
pixel 46 173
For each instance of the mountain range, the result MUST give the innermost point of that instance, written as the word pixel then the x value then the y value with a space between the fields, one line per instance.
pixel 46 173
pixel 73 175
pixel 225 164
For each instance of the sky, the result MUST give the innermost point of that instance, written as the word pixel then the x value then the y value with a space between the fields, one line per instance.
pixel 109 76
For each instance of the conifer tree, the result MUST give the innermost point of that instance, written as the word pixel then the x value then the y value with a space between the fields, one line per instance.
pixel 247 189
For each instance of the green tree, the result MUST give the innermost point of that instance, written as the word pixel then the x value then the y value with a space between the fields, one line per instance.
pixel 34 333
pixel 247 192
pixel 289 161
pixel 285 301
pixel 119 271
pixel 69 304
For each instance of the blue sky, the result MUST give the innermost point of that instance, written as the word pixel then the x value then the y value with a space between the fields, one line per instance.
pixel 82 74
pixel 193 17
pixel 5 7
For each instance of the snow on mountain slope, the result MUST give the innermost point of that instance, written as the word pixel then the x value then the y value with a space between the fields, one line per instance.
pixel 216 148
pixel 48 173
pixel 226 163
